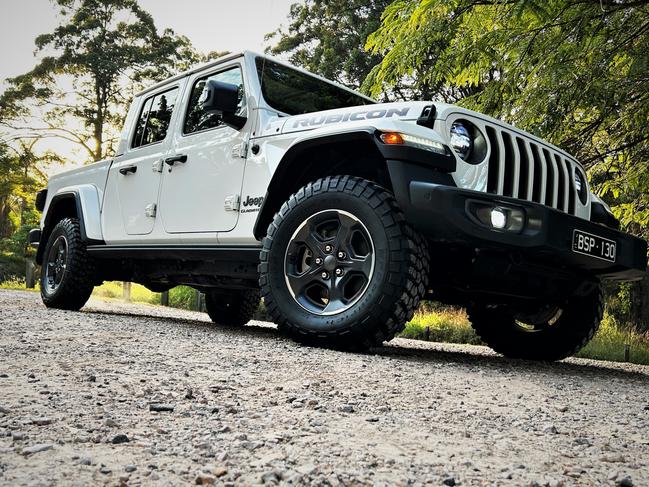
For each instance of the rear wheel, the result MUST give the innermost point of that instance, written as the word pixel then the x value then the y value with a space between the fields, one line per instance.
pixel 340 267
pixel 546 333
pixel 232 309
pixel 67 274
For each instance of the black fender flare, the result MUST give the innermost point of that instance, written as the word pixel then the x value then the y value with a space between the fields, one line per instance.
pixel 53 216
pixel 370 137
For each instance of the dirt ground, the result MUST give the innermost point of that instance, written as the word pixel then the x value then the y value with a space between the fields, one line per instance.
pixel 142 395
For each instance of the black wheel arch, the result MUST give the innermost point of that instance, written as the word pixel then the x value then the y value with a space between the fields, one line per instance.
pixel 63 205
pixel 356 153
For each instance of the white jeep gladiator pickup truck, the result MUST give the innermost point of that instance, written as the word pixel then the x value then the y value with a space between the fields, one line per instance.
pixel 248 177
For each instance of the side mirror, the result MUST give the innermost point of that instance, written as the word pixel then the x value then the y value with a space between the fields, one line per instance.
pixel 222 99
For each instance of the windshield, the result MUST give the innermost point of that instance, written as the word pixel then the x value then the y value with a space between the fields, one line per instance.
pixel 293 92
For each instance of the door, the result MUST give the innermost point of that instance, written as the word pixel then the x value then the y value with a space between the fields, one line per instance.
pixel 135 176
pixel 201 189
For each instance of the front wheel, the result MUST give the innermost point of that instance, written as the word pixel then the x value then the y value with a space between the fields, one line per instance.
pixel 551 332
pixel 340 267
pixel 67 274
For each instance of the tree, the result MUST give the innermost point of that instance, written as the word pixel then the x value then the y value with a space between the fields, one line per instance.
pixel 21 175
pixel 102 53
pixel 328 37
pixel 571 71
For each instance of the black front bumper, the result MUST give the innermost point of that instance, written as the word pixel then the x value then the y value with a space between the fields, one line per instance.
pixel 442 214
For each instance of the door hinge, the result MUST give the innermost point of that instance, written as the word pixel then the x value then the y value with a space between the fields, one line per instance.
pixel 232 202
pixel 150 210
pixel 158 165
pixel 240 150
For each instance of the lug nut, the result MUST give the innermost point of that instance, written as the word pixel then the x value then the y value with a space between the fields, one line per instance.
pixel 318 261
pixel 325 275
pixel 328 248
pixel 339 272
pixel 341 255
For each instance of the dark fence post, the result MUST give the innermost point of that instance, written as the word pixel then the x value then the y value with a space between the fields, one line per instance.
pixel 198 300
pixel 164 298
pixel 30 274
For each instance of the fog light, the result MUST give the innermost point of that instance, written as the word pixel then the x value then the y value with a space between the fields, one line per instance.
pixel 498 218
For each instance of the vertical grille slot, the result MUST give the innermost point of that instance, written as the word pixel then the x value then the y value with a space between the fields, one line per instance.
pixel 539 176
pixel 525 175
pixel 571 189
pixel 509 182
pixel 563 183
pixel 551 193
pixel 494 165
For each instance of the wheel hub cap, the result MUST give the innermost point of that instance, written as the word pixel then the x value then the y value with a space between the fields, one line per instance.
pixel 56 264
pixel 329 262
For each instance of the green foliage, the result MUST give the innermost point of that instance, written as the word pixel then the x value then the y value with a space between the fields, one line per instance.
pixel 12 270
pixel 572 72
pixel 327 37
pixel 183 297
pixel 21 175
pixel 441 324
pixel 105 49
pixel 450 325
pixel 114 290
pixel 610 340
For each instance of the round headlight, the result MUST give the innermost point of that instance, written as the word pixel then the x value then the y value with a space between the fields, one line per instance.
pixel 461 140
pixel 581 186
pixel 578 182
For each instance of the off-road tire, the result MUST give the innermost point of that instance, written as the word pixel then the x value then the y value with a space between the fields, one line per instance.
pixel 77 282
pixel 575 327
pixel 232 309
pixel 393 294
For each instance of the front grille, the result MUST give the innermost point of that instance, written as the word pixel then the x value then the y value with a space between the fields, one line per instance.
pixel 522 168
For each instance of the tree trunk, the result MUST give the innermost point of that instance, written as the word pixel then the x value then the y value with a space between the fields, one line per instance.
pixel 640 304
pixel 99 123
pixel 6 228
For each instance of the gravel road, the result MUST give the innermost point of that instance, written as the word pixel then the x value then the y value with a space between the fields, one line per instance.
pixel 134 394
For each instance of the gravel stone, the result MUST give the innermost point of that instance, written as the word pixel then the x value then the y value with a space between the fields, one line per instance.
pixel 42 421
pixel 421 412
pixel 119 439
pixel 30 450
pixel 161 407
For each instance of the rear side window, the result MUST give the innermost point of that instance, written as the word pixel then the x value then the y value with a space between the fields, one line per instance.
pixel 196 119
pixel 153 122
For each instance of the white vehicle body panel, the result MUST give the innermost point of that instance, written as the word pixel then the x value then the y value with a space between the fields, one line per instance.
pixel 88 183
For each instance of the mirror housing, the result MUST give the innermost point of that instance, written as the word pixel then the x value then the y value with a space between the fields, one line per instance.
pixel 222 99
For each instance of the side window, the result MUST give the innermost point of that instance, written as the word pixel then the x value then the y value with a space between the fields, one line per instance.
pixel 196 119
pixel 153 123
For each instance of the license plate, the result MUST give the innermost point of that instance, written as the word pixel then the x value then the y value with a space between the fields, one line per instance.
pixel 594 246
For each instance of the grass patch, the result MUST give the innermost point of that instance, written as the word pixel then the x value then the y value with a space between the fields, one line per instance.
pixel 182 297
pixel 608 343
pixel 451 325
pixel 18 285
pixel 448 325
pixel 114 290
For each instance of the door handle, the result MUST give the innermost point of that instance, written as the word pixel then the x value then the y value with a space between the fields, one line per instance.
pixel 179 158
pixel 128 170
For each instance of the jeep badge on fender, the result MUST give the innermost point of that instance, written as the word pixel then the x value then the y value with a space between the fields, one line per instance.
pixel 344 214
